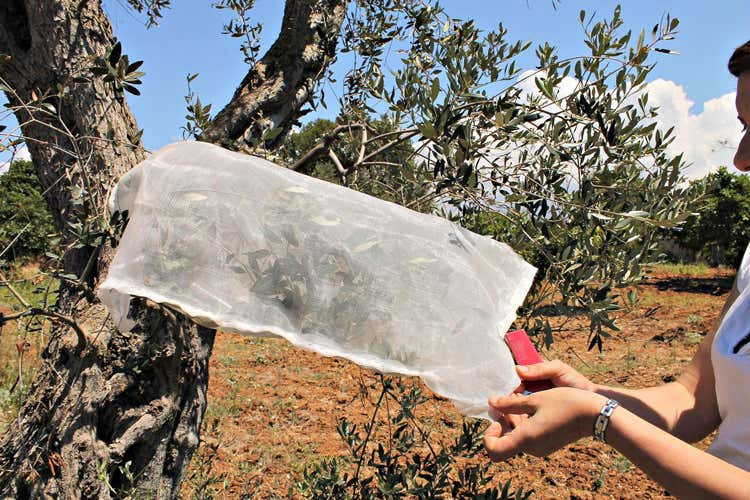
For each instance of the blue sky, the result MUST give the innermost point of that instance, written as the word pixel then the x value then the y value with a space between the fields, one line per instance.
pixel 694 87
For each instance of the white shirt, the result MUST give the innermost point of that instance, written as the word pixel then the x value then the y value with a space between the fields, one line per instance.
pixel 732 374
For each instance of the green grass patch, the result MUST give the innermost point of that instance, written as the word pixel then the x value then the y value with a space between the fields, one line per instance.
pixel 22 341
pixel 36 288
pixel 700 269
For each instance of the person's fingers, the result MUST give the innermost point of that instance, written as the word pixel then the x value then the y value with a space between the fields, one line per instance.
pixel 520 389
pixel 514 403
pixel 501 445
pixel 541 371
pixel 497 429
pixel 515 420
pixel 496 415
pixel 494 431
pixel 509 421
pixel 505 425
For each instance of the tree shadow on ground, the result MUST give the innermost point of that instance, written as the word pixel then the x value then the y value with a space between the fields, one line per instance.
pixel 715 285
pixel 555 310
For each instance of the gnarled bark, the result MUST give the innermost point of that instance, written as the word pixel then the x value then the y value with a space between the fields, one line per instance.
pixel 136 397
pixel 273 92
pixel 121 413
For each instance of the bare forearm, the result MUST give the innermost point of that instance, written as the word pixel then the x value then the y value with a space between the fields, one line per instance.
pixel 686 408
pixel 683 470
pixel 670 407
pixel 655 405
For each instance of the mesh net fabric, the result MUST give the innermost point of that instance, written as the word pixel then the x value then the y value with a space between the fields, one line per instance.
pixel 241 244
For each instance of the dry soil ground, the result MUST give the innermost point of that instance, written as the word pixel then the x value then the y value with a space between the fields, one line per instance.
pixel 273 408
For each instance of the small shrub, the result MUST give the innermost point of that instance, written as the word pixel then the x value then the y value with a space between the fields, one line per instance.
pixel 404 463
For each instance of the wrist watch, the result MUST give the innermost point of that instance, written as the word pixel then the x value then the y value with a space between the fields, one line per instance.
pixel 602 420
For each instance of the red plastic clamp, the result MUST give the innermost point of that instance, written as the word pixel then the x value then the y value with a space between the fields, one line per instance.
pixel 525 353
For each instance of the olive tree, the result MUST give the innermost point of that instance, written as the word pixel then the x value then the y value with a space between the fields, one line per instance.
pixel 577 173
pixel 568 155
pixel 109 411
pixel 718 230
pixel 564 162
pixel 26 221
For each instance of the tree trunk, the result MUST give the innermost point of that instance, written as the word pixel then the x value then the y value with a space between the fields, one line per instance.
pixel 136 397
pixel 272 94
pixel 119 413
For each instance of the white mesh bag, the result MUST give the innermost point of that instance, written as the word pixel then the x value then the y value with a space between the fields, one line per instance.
pixel 244 245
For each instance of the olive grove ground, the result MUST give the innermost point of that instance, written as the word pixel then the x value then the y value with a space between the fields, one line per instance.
pixel 273 409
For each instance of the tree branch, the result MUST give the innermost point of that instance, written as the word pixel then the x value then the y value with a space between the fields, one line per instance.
pixel 409 134
pixel 325 144
pixel 35 311
pixel 324 148
pixel 336 162
pixel 272 94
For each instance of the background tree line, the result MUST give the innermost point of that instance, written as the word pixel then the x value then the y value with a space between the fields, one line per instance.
pixel 716 233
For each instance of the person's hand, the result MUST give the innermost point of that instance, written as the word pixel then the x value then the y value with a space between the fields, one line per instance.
pixel 550 420
pixel 557 372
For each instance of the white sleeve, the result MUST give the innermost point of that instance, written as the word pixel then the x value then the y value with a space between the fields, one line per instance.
pixel 743 273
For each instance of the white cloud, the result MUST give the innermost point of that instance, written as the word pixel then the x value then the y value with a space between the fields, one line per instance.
pixel 21 153
pixel 708 138
pixel 527 84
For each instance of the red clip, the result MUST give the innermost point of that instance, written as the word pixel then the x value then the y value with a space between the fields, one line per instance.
pixel 525 354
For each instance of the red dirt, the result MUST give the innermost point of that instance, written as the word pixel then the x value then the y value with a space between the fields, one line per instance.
pixel 274 408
